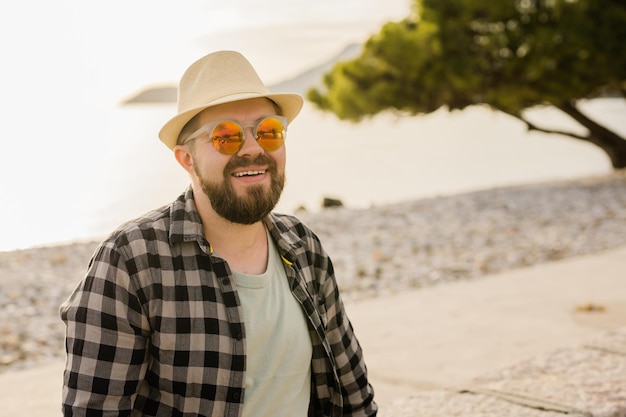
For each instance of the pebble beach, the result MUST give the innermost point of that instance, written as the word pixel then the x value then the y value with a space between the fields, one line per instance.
pixel 377 252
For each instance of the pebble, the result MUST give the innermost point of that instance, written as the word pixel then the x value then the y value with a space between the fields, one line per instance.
pixel 376 252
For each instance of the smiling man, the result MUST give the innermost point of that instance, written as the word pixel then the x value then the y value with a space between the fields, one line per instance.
pixel 214 305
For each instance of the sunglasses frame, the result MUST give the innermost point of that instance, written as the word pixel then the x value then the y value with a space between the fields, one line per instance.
pixel 254 124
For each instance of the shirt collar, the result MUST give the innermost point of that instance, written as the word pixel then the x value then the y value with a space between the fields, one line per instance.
pixel 186 225
pixel 289 244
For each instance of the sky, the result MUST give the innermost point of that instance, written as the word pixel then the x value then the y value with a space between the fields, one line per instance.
pixel 141 41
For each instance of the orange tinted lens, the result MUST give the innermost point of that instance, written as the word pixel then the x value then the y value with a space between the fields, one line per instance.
pixel 270 134
pixel 227 137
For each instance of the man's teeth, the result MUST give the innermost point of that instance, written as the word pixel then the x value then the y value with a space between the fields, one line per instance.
pixel 248 173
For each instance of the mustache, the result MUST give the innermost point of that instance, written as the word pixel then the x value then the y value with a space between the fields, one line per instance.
pixel 242 162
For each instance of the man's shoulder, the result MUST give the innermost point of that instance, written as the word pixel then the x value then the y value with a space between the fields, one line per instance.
pixel 153 225
pixel 169 222
pixel 291 232
pixel 289 223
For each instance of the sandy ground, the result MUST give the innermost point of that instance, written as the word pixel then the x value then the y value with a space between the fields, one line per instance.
pixel 441 336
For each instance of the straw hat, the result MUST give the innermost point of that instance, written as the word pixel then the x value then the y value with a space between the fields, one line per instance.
pixel 218 78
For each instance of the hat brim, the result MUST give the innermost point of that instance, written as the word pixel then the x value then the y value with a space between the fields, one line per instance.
pixel 290 105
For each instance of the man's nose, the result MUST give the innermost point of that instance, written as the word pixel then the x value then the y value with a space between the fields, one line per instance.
pixel 250 145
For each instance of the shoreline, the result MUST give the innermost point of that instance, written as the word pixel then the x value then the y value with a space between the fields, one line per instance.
pixel 377 252
pixel 302 211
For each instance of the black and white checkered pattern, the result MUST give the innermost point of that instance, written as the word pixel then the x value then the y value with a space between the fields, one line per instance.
pixel 156 329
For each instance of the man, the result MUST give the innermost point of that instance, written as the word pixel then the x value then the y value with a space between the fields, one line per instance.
pixel 214 305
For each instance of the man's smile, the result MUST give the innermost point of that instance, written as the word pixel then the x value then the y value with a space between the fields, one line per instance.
pixel 250 173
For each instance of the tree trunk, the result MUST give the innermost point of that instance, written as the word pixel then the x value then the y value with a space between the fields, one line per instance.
pixel 607 140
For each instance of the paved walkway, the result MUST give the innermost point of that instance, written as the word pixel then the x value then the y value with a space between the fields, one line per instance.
pixel 443 336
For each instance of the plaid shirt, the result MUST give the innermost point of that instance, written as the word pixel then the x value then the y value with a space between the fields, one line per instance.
pixel 156 328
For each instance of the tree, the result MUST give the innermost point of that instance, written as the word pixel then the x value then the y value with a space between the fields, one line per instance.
pixel 509 54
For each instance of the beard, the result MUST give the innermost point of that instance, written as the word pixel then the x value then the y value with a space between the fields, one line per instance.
pixel 255 204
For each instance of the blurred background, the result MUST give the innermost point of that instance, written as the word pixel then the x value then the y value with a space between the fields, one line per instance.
pixel 81 153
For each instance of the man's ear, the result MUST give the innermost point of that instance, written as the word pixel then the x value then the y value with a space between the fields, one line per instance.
pixel 184 158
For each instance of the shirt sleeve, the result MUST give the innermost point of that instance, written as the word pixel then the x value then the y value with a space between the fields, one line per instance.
pixel 358 394
pixel 106 340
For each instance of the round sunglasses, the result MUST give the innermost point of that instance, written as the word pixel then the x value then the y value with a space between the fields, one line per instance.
pixel 228 135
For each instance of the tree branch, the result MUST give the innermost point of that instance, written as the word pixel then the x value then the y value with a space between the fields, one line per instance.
pixel 531 126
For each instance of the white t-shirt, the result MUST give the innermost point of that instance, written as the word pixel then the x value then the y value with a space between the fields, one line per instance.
pixel 278 345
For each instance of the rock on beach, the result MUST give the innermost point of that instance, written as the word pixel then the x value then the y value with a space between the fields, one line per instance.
pixel 376 252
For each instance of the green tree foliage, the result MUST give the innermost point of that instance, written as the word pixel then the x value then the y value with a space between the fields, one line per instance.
pixel 508 54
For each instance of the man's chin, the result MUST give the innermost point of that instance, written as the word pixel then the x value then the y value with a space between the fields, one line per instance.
pixel 242 187
pixel 243 203
pixel 251 191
